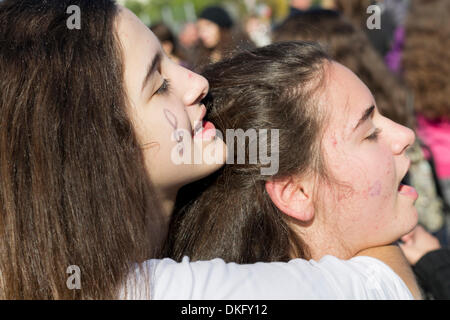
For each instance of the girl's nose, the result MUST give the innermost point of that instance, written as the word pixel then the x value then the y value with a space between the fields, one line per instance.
pixel 403 138
pixel 198 88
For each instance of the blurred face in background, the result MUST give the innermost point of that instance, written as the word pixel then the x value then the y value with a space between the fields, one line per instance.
pixel 301 4
pixel 189 35
pixel 209 33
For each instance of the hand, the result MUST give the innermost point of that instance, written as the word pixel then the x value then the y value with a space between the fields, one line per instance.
pixel 417 243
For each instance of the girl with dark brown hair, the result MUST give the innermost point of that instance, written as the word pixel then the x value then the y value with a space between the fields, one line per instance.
pixel 92 119
pixel 338 186
pixel 86 114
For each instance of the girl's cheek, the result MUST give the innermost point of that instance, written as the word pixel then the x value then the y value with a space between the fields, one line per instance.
pixel 375 189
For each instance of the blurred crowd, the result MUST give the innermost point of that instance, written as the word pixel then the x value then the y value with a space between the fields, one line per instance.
pixel 405 63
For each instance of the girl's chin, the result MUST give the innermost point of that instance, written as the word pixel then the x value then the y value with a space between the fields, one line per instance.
pixel 410 218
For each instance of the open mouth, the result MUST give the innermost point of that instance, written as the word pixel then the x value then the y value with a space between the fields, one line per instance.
pixel 405 189
pixel 408 191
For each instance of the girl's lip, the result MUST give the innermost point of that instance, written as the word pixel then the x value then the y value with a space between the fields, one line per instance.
pixel 208 131
pixel 408 191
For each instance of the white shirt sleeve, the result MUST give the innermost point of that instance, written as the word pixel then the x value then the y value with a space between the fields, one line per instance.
pixel 329 278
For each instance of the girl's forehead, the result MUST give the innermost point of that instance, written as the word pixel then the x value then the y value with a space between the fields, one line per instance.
pixel 133 33
pixel 346 98
pixel 139 46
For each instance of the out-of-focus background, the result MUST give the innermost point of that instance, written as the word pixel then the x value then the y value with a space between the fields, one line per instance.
pixel 175 13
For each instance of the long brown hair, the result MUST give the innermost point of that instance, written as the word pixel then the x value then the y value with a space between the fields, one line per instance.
pixel 229 214
pixel 73 185
pixel 349 45
pixel 426 57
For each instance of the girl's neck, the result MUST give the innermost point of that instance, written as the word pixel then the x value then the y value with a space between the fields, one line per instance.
pixel 167 198
pixel 321 243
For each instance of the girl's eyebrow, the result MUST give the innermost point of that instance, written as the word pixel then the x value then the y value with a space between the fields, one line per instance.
pixel 151 69
pixel 366 115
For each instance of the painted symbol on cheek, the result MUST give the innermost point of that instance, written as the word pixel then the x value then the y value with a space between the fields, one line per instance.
pixel 178 134
pixel 375 190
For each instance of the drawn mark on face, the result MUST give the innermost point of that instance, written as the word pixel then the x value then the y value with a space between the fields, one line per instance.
pixel 178 134
pixel 375 190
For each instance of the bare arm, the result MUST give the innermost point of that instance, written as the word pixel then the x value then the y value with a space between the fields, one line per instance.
pixel 395 259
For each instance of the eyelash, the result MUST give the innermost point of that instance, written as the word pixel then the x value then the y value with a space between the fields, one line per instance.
pixel 374 136
pixel 165 87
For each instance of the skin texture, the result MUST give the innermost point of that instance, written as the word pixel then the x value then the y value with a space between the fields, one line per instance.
pixel 359 206
pixel 208 32
pixel 418 243
pixel 164 121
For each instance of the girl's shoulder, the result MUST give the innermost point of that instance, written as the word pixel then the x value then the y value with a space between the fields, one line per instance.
pixel 328 278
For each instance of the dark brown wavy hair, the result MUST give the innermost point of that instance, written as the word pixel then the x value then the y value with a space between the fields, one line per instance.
pixel 349 45
pixel 426 56
pixel 230 214
pixel 73 184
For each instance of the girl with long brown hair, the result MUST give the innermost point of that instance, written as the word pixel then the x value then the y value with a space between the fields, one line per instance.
pixel 92 121
pixel 219 36
pixel 85 115
pixel 338 186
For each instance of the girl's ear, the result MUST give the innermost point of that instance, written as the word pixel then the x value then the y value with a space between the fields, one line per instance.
pixel 293 198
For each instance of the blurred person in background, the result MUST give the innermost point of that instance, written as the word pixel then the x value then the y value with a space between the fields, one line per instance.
pixel 426 65
pixel 399 10
pixel 328 4
pixel 349 45
pixel 219 37
pixel 299 6
pixel 188 36
pixel 258 27
pixel 169 43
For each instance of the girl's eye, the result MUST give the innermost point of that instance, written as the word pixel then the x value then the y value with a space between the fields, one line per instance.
pixel 374 135
pixel 165 87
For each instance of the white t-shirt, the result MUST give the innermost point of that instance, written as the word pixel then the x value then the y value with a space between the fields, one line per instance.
pixel 329 278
